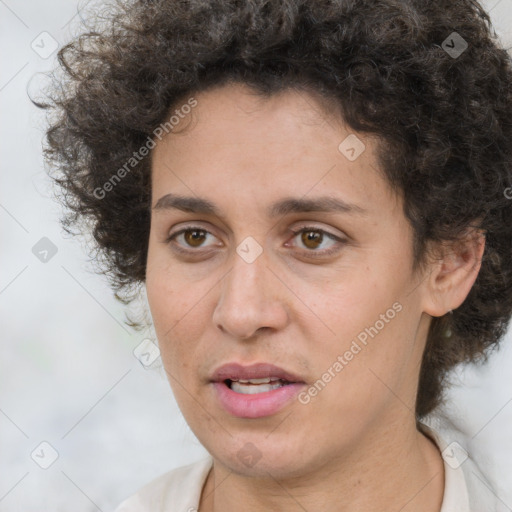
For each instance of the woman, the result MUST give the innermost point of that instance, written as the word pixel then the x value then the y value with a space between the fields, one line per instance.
pixel 314 197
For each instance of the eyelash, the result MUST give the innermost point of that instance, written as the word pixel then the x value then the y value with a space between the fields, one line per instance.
pixel 311 252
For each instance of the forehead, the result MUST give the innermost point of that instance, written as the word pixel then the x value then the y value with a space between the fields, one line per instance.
pixel 241 146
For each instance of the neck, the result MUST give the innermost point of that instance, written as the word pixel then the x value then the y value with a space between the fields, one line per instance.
pixel 396 468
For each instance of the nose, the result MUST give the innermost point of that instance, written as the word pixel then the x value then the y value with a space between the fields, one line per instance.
pixel 252 298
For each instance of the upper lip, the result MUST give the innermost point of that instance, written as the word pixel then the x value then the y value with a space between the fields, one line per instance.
pixel 236 371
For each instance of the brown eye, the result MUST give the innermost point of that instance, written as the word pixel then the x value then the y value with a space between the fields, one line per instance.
pixel 312 238
pixel 194 237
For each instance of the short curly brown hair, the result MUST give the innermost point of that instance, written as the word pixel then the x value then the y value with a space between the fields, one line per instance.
pixel 429 78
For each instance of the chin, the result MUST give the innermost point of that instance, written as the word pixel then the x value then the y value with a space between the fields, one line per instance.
pixel 258 456
pixel 264 468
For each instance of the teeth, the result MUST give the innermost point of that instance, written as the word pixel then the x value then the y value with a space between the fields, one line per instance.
pixel 265 380
pixel 248 388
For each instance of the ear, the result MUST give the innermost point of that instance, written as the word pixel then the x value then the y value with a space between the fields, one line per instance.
pixel 454 272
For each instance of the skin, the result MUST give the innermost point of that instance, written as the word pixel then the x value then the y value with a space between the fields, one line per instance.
pixel 354 446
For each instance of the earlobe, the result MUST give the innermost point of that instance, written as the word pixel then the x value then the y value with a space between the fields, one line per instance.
pixel 453 274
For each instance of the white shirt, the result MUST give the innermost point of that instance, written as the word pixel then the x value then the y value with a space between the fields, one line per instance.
pixel 466 489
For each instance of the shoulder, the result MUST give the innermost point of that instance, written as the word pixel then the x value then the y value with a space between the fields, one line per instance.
pixel 466 487
pixel 178 489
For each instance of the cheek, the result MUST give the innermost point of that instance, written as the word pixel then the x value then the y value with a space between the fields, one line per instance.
pixel 178 319
pixel 377 357
pixel 162 304
pixel 371 326
pixel 166 312
pixel 164 290
pixel 352 303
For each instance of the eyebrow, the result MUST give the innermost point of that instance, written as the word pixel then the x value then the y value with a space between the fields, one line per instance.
pixel 285 206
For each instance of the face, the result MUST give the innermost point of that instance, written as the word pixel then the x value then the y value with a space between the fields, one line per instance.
pixel 323 299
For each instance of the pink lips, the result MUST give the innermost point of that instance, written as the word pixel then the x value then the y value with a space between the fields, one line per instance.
pixel 255 405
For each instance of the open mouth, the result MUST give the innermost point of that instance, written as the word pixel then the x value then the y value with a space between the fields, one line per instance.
pixel 254 386
pixel 254 391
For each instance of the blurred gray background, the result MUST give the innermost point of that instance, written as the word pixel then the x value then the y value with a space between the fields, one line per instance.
pixel 68 375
